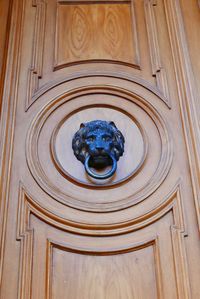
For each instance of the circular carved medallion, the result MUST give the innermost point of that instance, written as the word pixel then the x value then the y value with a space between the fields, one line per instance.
pixel 142 168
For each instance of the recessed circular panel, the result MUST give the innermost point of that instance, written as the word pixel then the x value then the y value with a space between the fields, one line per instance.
pixel 144 165
pixel 69 166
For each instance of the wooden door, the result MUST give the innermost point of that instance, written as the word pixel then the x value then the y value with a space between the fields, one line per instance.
pixel 64 235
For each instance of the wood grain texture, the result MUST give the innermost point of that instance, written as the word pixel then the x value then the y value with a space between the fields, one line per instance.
pixel 94 32
pixel 105 276
pixel 87 98
pixel 5 18
pixel 8 118
pixel 4 29
pixel 107 264
pixel 187 93
pixel 193 41
pixel 137 239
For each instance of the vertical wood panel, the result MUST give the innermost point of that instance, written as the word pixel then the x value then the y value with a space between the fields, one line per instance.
pixel 5 13
pixel 154 48
pixel 192 12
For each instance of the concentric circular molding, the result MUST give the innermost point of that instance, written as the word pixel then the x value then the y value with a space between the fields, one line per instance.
pixel 48 186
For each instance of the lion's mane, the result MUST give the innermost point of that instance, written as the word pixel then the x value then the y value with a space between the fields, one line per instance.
pixel 79 145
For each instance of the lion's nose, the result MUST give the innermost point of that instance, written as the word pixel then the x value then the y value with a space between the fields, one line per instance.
pixel 99 147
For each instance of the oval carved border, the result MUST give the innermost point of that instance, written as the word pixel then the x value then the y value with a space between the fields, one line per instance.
pixel 150 187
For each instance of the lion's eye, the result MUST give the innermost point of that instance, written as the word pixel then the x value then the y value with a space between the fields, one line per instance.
pixel 90 139
pixel 106 138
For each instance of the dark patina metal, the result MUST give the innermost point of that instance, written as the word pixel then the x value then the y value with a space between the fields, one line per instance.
pixel 98 144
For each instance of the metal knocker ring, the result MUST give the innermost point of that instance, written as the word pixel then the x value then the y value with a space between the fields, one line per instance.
pixel 98 144
pixel 100 176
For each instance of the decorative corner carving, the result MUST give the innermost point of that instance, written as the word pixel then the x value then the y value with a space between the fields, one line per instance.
pixel 157 69
pixel 35 71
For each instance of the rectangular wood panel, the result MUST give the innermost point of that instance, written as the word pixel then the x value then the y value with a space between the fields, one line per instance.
pixel 91 31
pixel 128 275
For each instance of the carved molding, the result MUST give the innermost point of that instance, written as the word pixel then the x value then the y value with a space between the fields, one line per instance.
pixel 187 92
pixel 172 203
pixel 25 236
pixel 158 70
pixel 92 1
pixel 8 116
pixel 153 182
pixel 35 71
pixel 187 101
pixel 92 74
pixel 28 205
pixel 135 34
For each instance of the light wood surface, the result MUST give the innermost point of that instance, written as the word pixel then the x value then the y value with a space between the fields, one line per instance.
pixel 5 12
pixel 135 235
pixel 93 32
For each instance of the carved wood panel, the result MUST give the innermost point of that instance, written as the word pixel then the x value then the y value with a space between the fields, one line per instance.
pixel 94 31
pixel 134 235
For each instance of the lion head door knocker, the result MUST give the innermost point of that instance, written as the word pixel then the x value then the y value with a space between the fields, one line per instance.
pixel 98 144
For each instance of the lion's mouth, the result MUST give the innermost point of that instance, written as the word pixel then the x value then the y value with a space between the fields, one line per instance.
pixel 100 161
